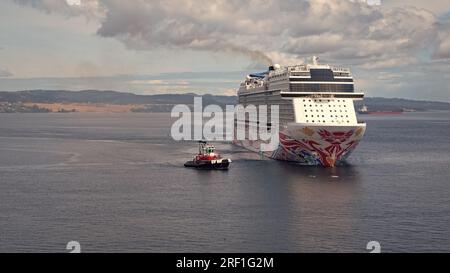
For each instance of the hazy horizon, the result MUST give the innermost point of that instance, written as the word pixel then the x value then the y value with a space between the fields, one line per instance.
pixel 191 92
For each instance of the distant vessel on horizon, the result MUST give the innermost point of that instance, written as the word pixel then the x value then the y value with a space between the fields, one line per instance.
pixel 364 110
pixel 318 123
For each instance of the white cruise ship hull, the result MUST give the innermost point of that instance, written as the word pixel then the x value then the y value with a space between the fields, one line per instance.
pixel 313 145
pixel 316 113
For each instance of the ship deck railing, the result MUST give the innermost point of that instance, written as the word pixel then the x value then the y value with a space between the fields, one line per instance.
pixel 350 95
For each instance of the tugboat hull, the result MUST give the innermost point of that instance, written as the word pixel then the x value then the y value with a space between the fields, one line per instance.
pixel 208 164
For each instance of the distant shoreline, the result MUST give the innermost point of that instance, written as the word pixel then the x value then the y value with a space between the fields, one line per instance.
pixel 94 101
pixel 85 107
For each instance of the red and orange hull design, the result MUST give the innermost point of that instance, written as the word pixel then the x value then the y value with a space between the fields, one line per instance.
pixel 314 144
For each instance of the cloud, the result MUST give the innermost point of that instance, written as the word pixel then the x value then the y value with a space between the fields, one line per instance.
pixel 292 29
pixel 443 46
pixel 5 73
pixel 264 30
pixel 88 8
pixel 174 24
pixel 435 6
pixel 160 82
pixel 388 63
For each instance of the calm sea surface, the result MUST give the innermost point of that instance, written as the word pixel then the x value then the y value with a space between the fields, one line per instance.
pixel 116 183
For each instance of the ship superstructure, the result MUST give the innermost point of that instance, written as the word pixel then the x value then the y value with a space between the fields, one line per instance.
pixel 317 118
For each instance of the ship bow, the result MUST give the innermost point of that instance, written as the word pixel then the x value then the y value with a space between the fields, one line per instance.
pixel 318 145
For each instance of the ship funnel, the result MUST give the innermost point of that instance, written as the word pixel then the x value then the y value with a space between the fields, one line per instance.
pixel 274 67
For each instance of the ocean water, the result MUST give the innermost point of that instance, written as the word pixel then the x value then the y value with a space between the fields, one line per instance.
pixel 116 183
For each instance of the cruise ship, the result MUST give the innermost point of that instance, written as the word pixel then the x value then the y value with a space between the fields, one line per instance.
pixel 317 117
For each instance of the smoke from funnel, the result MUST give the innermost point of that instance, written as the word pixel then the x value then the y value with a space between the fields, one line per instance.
pixel 255 55
pixel 173 24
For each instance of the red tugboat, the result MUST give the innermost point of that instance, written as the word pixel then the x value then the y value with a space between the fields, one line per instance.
pixel 207 159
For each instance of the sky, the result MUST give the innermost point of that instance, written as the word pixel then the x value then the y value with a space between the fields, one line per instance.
pixel 394 48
